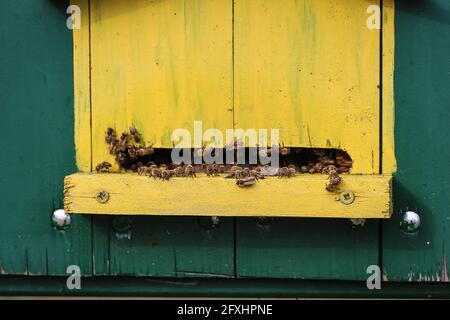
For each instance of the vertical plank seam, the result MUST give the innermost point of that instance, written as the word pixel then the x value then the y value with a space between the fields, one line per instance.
pixel 380 223
pixel 90 78
pixel 234 127
pixel 380 95
pixel 233 65
pixel 90 128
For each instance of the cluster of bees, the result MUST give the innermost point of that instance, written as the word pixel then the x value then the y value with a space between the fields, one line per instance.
pixel 131 153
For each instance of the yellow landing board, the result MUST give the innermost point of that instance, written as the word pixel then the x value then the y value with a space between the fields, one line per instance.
pixel 301 196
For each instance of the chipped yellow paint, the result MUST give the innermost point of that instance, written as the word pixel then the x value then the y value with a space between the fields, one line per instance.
pixel 82 89
pixel 301 196
pixel 160 65
pixel 388 154
pixel 310 68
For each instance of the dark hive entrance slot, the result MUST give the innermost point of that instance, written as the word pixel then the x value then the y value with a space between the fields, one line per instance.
pixel 132 154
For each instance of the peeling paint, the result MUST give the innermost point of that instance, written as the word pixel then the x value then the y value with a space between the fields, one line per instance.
pixel 444 269
pixel 2 271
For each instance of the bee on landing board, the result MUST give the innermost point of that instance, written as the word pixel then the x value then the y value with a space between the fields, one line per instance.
pixel 103 167
pixel 189 171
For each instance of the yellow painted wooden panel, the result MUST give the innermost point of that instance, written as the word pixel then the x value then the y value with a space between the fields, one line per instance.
pixel 159 65
pixel 301 196
pixel 389 162
pixel 82 103
pixel 310 68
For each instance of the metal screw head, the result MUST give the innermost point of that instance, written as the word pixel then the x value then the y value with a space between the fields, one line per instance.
pixel 121 224
pixel 102 196
pixel 410 222
pixel 60 219
pixel 215 221
pixel 209 223
pixel 347 197
pixel 357 223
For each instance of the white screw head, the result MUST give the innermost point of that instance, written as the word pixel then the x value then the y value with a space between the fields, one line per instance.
pixel 61 220
pixel 410 222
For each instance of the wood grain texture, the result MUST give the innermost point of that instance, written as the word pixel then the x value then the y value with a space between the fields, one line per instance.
pixel 311 69
pixel 37 119
pixel 168 247
pixel 305 249
pixel 389 161
pixel 421 184
pixel 82 89
pixel 301 196
pixel 160 65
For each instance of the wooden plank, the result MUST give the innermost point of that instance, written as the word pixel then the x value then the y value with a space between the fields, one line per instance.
pixel 422 182
pixel 37 150
pixel 305 248
pixel 311 69
pixel 388 152
pixel 133 194
pixel 160 65
pixel 168 247
pixel 82 89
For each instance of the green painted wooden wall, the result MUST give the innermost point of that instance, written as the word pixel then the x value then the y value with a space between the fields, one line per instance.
pixel 37 151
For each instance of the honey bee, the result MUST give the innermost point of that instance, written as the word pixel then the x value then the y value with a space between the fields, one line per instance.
pixel 103 167
pixel 245 182
pixel 179 171
pixel 342 159
pixel 342 169
pixel 189 171
pixel 333 177
pixel 246 172
pixel 135 134
pixel 211 170
pixel 235 172
pixel 166 174
pixel 284 151
pixel 256 174
pixel 121 158
pixel 155 172
pixel 283 172
pixel 123 142
pixel 110 136
pixel 132 153
pixel 143 170
pixel 315 168
pixel 114 148
pixel 144 151
pixel 291 171
pixel 329 169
